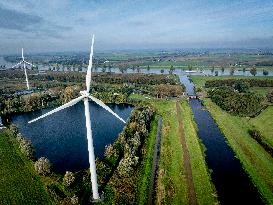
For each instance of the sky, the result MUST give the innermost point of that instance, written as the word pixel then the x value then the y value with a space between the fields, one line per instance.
pixel 67 25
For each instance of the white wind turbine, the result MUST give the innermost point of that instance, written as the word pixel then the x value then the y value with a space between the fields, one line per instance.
pixel 85 95
pixel 24 62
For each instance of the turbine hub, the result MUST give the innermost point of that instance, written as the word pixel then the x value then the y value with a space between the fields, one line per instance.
pixel 84 93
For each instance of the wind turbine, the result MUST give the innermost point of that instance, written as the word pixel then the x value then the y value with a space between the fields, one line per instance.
pixel 85 95
pixel 25 62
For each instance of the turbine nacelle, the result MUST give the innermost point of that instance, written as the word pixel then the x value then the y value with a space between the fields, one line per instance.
pixel 84 93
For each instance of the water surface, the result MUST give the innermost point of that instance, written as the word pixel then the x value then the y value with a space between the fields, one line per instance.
pixel 61 137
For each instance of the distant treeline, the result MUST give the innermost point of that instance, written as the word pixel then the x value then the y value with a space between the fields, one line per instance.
pixel 232 82
pixel 132 78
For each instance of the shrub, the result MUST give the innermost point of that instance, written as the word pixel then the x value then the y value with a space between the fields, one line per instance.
pixel 241 87
pixel 25 147
pixel 256 134
pixel 42 166
pixel 13 129
pixel 74 200
pixel 270 96
pixel 68 179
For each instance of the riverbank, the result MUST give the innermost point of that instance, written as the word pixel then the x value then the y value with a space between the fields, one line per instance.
pixel 255 160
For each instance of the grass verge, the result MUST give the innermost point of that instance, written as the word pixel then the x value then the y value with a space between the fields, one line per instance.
pixel 19 183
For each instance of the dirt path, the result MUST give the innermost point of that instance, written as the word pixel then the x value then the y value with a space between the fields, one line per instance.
pixel 152 189
pixel 186 157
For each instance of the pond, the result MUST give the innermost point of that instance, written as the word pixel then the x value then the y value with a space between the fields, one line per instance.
pixel 61 137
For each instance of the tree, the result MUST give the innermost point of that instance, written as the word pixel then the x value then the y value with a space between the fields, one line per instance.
pixel 222 69
pixel 241 87
pixel 42 166
pixel 189 67
pixel 162 71
pixel 68 179
pixel 172 69
pixel 216 73
pixel 25 147
pixel 148 68
pixel 253 71
pixel 270 96
pixel 212 69
pixel 138 69
pixel 244 69
pixel 265 72
pixel 232 71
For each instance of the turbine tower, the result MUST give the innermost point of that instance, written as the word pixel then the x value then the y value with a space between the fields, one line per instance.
pixel 85 96
pixel 24 63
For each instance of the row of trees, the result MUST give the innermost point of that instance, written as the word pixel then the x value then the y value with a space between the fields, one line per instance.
pixel 119 170
pixel 232 82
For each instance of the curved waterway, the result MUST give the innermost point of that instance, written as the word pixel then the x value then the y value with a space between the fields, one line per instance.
pixel 61 137
pixel 231 181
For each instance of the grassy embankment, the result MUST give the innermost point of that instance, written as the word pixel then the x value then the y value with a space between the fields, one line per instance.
pixel 172 186
pixel 264 123
pixel 19 183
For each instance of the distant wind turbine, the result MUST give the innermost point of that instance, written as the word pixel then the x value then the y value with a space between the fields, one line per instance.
pixel 85 95
pixel 25 62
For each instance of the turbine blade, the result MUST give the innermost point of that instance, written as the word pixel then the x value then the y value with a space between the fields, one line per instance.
pixel 17 64
pixel 99 102
pixel 89 69
pixel 29 63
pixel 23 54
pixel 72 102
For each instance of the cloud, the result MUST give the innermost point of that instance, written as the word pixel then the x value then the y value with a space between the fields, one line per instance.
pixel 11 19
pixel 30 25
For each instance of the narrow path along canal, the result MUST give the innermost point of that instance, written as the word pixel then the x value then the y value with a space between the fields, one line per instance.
pixel 154 174
pixel 231 181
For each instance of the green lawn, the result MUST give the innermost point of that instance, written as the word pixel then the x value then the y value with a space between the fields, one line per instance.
pixel 255 160
pixel 264 123
pixel 19 184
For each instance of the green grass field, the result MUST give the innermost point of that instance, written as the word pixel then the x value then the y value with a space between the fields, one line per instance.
pixel 19 183
pixel 255 160
pixel 172 186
